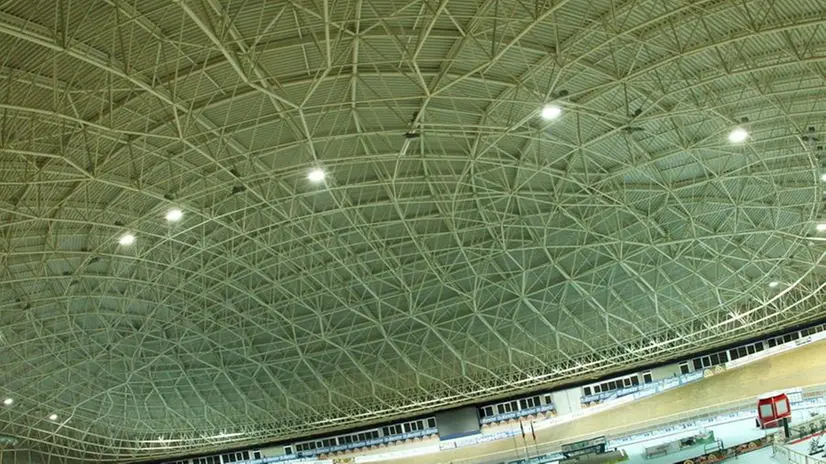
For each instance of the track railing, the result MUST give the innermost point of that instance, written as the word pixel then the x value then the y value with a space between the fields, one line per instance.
pixel 785 454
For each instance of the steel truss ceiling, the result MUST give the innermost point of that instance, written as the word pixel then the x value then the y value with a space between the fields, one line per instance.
pixel 487 251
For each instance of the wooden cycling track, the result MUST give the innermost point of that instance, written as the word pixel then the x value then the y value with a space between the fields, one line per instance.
pixel 801 367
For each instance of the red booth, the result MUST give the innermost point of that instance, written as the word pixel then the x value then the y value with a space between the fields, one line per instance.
pixel 771 409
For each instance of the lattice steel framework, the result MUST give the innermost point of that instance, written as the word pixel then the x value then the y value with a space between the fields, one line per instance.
pixel 460 247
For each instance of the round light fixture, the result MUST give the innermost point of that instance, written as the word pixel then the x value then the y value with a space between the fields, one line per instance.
pixel 738 135
pixel 174 215
pixel 550 112
pixel 774 283
pixel 8 401
pixel 53 417
pixel 316 175
pixel 821 227
pixel 126 239
pixel 823 177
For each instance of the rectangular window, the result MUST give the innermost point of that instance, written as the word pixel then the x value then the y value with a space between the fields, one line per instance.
pixel 758 346
pixel 787 338
pixel 684 367
pixel 523 404
pixel 431 423
pixel 407 428
pixel 732 354
pixel 587 391
pixel 500 408
pixel 597 389
pixel 698 364
pixel 647 378
pixel 750 349
pixel 706 361
pixel 548 399
pixel 772 342
pixel 713 360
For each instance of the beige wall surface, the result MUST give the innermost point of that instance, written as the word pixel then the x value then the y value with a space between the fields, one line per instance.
pixel 805 366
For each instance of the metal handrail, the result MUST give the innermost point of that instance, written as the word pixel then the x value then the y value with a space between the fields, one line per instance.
pixel 794 457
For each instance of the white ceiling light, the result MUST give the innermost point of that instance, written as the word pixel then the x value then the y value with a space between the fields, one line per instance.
pixel 821 227
pixel 738 135
pixel 53 417
pixel 126 239
pixel 774 283
pixel 316 175
pixel 174 215
pixel 550 112
pixel 8 401
pixel 823 177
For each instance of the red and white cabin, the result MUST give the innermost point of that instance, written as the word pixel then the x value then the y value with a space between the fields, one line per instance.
pixel 771 409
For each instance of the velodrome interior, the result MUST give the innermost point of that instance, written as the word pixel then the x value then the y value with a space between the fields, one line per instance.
pixel 425 231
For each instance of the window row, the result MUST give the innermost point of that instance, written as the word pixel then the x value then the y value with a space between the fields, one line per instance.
pixel 388 431
pixel 796 335
pixel 710 360
pixel 611 385
pixel 514 405
pixel 737 353
pixel 237 456
pixel 207 460
pixel 408 427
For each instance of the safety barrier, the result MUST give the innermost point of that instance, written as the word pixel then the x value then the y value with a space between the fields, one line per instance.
pixel 785 454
